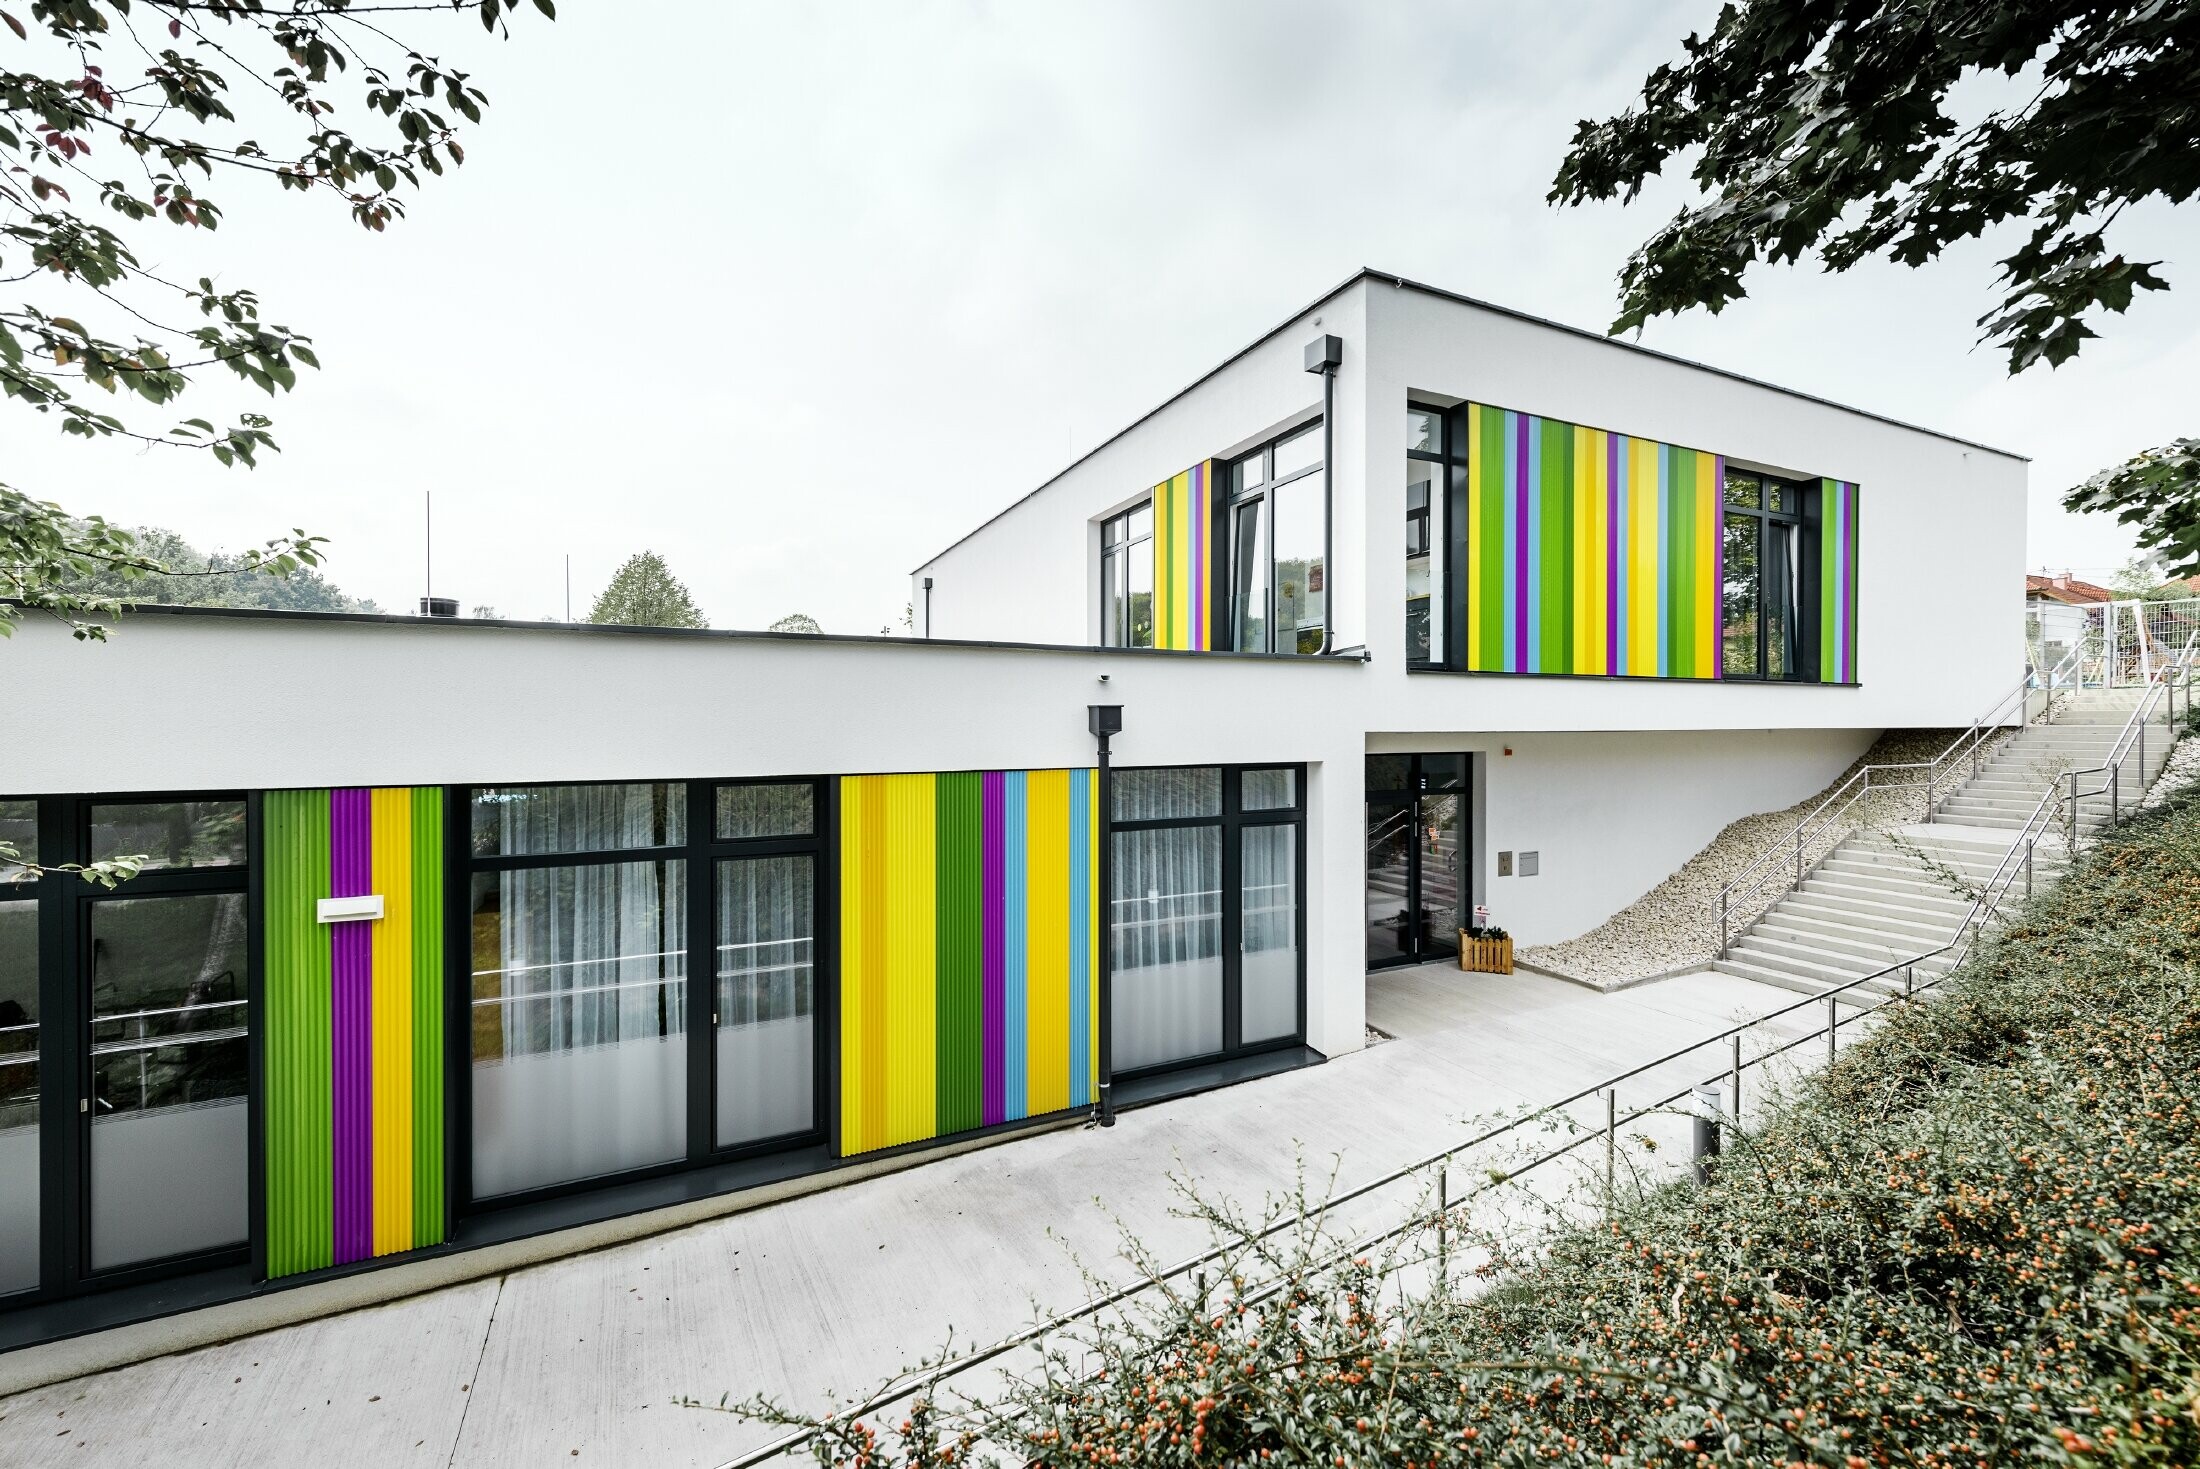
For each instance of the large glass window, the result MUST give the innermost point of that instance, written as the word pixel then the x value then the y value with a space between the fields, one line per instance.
pixel 764 1028
pixel 1435 521
pixel 1761 577
pixel 579 998
pixel 19 1064
pixel 1278 557
pixel 169 1039
pixel 1126 579
pixel 1204 913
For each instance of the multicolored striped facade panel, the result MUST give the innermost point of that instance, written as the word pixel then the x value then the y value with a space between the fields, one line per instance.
pixel 1183 521
pixel 353 1042
pixel 1837 582
pixel 969 951
pixel 1589 552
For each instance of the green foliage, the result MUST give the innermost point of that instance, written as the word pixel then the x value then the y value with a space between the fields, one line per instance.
pixel 77 569
pixel 190 577
pixel 1824 125
pixel 2159 492
pixel 796 622
pixel 1974 1241
pixel 644 593
pixel 123 119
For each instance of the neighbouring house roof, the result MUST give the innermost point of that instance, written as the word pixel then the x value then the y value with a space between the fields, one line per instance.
pixel 2065 588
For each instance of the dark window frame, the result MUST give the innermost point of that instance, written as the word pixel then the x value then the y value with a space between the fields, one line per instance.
pixel 1222 534
pixel 1231 820
pixel 1796 495
pixel 700 855
pixel 1116 554
pixel 1446 600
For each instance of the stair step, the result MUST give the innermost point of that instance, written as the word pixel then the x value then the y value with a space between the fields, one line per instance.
pixel 1860 995
pixel 1867 946
pixel 1898 886
pixel 1923 902
pixel 1818 918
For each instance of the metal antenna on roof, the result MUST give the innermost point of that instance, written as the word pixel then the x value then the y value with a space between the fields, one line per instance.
pixel 569 586
pixel 428 497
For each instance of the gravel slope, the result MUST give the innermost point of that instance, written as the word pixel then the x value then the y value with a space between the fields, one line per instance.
pixel 1675 925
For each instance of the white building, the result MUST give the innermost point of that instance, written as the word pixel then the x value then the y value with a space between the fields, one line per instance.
pixel 1414 604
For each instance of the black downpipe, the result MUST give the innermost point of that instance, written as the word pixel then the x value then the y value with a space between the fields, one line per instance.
pixel 1105 720
pixel 928 606
pixel 1323 354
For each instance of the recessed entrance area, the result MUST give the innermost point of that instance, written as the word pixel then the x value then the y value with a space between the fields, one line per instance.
pixel 1416 856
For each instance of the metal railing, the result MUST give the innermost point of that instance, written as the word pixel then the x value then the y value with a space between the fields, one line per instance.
pixel 1791 857
pixel 2165 682
pixel 1864 996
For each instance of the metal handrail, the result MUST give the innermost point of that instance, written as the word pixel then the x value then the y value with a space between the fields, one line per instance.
pixel 1984 906
pixel 1752 880
pixel 2162 688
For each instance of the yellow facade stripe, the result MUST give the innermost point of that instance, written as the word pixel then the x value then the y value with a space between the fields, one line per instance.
pixel 912 1000
pixel 1580 527
pixel 857 1066
pixel 1707 589
pixel 1047 939
pixel 390 1018
pixel 1466 655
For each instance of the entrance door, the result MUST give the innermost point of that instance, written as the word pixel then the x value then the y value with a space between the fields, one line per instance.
pixel 1416 830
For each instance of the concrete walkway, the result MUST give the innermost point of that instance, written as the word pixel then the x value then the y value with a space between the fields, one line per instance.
pixel 579 1360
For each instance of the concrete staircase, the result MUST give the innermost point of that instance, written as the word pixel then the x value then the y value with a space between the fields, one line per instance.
pixel 1880 897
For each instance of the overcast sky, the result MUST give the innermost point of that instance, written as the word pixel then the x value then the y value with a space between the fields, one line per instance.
pixel 796 293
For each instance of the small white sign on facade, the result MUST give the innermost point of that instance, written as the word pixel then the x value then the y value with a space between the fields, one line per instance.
pixel 348 910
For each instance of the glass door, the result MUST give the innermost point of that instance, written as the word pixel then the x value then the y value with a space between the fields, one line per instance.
pixel 1416 857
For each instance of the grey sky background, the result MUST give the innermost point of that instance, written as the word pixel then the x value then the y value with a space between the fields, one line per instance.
pixel 824 284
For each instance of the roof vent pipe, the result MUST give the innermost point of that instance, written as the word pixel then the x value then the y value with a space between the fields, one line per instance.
pixel 439 606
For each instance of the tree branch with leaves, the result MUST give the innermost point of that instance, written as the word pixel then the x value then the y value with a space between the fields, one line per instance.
pixel 1826 126
pixel 119 118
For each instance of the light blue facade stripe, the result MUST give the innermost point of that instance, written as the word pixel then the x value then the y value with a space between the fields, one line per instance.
pixel 1080 937
pixel 1015 974
pixel 1665 550
pixel 1512 540
pixel 1531 589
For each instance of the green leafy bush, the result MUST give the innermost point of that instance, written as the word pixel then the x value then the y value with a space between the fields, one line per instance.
pixel 1974 1241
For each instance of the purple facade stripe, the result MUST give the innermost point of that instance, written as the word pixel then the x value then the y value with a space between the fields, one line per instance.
pixel 1718 566
pixel 352 962
pixel 993 1087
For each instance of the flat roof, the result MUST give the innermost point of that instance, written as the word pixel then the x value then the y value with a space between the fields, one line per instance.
pixel 723 634
pixel 1365 273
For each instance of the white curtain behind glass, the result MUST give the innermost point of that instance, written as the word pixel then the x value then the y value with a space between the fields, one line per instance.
pixel 1167 955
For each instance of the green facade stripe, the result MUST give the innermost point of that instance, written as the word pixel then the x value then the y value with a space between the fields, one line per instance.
pixel 301 1223
pixel 1489 537
pixel 959 896
pixel 1683 581
pixel 427 1014
pixel 1551 619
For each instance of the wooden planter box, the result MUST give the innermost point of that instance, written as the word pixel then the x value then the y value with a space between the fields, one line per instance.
pixel 1485 956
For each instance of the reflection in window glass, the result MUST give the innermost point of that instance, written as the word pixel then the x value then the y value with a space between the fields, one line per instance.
pixel 1167 937
pixel 1739 601
pixel 1389 772
pixel 1268 991
pixel 1424 431
pixel 19 831
pixel 1424 501
pixel 1126 580
pixel 579 1019
pixel 18 1095
pixel 1269 790
pixel 1300 451
pixel 1166 794
pixel 765 811
pixel 169 1030
pixel 171 834
pixel 766 1035
pixel 1249 577
pixel 1443 772
pixel 512 821
pixel 1743 489
pixel 1299 590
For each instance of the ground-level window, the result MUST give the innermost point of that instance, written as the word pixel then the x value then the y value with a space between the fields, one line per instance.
pixel 1275 558
pixel 592 1052
pixel 1206 917
pixel 19 1064
pixel 1762 573
pixel 1126 579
